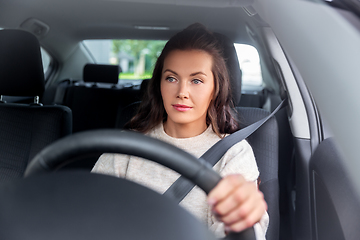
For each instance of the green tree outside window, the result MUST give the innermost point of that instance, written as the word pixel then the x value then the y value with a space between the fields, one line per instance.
pixel 141 56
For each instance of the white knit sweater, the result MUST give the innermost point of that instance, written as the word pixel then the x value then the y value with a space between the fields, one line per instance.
pixel 238 160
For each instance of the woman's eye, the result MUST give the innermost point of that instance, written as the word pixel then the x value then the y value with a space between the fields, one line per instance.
pixel 197 81
pixel 170 79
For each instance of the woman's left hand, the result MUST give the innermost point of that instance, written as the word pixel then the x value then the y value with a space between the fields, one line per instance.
pixel 237 203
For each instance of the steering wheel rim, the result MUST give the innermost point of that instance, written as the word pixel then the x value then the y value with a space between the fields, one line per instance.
pixel 57 155
pixel 67 149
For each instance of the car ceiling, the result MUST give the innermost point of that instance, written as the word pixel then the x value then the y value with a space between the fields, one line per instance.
pixel 99 19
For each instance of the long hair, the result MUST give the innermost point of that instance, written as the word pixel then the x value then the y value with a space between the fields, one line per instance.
pixel 220 113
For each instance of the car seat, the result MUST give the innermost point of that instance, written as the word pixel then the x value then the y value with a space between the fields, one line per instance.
pixel 93 104
pixel 25 129
pixel 125 113
pixel 95 100
pixel 264 141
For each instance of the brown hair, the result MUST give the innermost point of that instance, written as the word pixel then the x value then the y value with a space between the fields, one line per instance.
pixel 220 113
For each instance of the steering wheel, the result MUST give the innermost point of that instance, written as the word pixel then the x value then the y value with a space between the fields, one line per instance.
pixel 69 148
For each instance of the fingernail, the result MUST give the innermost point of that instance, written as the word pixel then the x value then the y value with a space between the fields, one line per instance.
pixel 227 229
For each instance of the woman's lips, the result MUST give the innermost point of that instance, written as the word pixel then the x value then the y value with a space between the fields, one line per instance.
pixel 181 108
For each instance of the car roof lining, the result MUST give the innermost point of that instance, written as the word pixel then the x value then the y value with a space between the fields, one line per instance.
pixel 200 3
pixel 116 19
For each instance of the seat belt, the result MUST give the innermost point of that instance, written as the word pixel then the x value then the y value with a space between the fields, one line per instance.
pixel 181 187
pixel 61 91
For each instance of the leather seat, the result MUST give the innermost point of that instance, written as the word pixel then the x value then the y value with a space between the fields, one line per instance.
pixel 25 129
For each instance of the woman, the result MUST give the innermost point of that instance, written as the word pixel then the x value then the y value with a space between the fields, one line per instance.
pixel 188 104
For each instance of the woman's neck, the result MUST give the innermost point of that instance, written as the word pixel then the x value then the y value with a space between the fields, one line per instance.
pixel 183 130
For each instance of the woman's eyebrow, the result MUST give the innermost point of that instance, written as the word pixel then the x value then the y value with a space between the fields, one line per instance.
pixel 192 74
pixel 168 70
pixel 196 73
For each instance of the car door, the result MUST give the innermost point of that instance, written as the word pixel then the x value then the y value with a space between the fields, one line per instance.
pixel 322 191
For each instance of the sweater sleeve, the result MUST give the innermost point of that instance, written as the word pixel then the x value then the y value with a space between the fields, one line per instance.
pixel 239 159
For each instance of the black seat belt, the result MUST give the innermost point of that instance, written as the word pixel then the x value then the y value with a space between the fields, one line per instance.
pixel 61 91
pixel 181 187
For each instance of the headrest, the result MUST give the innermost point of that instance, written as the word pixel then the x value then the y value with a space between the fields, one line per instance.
pixel 99 73
pixel 21 69
pixel 233 66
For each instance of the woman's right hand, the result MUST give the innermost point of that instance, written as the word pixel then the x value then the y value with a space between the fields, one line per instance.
pixel 237 203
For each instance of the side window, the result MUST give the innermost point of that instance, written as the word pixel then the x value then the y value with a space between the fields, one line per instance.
pixel 46 60
pixel 250 65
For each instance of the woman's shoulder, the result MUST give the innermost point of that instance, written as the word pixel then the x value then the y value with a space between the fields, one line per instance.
pixel 241 147
pixel 240 159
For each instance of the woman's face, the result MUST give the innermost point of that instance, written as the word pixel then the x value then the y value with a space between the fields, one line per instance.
pixel 187 87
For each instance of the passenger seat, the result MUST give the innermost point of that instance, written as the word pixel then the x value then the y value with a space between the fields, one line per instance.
pixel 25 129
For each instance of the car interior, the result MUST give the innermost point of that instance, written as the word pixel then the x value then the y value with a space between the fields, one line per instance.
pixel 61 108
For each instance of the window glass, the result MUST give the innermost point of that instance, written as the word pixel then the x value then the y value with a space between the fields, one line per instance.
pixel 135 57
pixel 249 64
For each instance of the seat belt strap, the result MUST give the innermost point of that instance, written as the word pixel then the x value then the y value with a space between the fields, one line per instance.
pixel 61 91
pixel 181 187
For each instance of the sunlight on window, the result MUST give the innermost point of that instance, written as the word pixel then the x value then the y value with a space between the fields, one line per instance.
pixel 249 64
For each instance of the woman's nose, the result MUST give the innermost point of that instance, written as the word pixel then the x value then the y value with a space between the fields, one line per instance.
pixel 183 92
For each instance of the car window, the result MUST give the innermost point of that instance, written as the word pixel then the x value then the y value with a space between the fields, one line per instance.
pixel 46 60
pixel 135 57
pixel 249 64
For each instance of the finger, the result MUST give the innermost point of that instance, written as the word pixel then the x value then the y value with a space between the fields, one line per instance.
pixel 246 208
pixel 224 188
pixel 235 199
pixel 249 221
